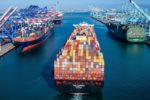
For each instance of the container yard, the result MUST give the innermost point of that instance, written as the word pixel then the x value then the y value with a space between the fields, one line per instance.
pixel 6 48
pixel 80 64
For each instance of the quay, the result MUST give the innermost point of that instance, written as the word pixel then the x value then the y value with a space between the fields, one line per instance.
pixel 6 48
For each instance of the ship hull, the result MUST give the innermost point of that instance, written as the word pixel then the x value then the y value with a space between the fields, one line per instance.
pixel 79 67
pixel 147 41
pixel 26 46
pixel 57 20
pixel 98 20
pixel 90 88
pixel 120 31
pixel 114 31
pixel 117 31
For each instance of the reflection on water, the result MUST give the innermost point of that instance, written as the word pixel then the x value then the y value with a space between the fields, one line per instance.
pixel 60 96
pixel 134 49
pixel 48 75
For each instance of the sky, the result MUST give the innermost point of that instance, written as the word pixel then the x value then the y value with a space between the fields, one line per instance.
pixel 68 5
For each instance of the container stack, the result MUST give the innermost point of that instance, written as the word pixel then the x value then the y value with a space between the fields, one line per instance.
pixel 80 59
pixel 136 32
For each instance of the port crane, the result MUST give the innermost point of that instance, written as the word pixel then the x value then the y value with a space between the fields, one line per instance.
pixel 4 18
pixel 142 12
pixel 9 12
pixel 96 12
pixel 131 13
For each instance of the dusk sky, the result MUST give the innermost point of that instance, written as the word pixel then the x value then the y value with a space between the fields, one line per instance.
pixel 68 4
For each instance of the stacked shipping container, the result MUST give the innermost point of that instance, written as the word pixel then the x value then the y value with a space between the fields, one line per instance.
pixel 136 33
pixel 80 61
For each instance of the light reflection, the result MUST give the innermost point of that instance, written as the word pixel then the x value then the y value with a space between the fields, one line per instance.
pixel 76 97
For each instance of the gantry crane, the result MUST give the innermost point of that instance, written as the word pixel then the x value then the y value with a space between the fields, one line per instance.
pixel 142 12
pixel 4 18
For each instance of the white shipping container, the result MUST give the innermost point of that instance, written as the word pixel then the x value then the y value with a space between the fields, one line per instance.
pixel 70 69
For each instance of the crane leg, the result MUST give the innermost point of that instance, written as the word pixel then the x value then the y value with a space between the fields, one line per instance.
pixel 149 31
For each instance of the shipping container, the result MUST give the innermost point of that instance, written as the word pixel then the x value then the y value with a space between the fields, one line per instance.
pixel 80 62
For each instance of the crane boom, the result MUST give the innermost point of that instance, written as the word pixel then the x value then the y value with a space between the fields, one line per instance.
pixel 7 17
pixel 140 10
pixel 6 12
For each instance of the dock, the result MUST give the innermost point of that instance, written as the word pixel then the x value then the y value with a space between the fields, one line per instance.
pixel 102 21
pixel 6 48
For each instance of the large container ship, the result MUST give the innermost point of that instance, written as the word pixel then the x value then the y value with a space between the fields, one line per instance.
pixel 127 32
pixel 79 67
pixel 34 25
pixel 124 31
pixel 129 24
pixel 34 32
pixel 58 17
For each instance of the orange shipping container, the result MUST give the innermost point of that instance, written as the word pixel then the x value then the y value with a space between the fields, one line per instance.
pixel 81 58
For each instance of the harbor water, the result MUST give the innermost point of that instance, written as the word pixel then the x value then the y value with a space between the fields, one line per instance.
pixel 28 76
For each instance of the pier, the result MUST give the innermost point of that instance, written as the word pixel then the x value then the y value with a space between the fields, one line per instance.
pixel 6 48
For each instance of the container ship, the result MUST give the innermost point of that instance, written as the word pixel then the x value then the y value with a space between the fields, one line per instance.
pixel 79 65
pixel 58 17
pixel 33 26
pixel 124 24
pixel 33 33
pixel 127 32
